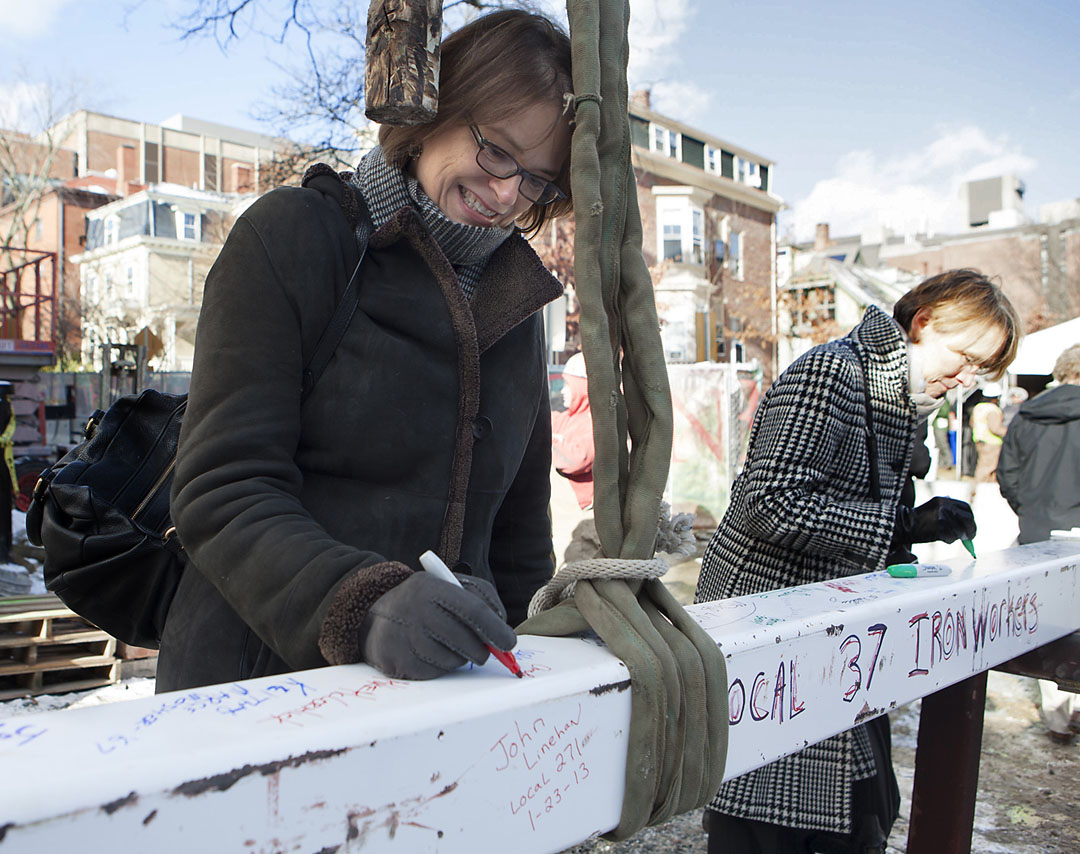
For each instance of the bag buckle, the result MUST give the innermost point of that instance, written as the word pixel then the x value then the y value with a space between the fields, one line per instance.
pixel 171 541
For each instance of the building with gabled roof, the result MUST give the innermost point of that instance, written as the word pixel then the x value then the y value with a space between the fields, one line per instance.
pixel 708 213
pixel 143 269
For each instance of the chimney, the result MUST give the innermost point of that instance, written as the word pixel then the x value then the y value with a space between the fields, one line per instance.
pixel 821 237
pixel 125 168
pixel 640 99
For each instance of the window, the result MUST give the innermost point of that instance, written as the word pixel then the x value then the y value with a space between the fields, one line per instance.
pixel 673 242
pixel 697 252
pixel 712 160
pixel 151 163
pixel 210 175
pixel 665 141
pixel 191 226
pixel 735 254
pixel 129 282
pixel 747 171
pixel 111 226
pixel 91 296
pixel 680 230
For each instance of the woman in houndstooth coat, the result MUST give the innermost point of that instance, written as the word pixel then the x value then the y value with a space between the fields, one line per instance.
pixel 804 509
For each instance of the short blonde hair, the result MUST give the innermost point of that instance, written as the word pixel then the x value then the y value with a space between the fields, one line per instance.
pixel 1067 366
pixel 960 299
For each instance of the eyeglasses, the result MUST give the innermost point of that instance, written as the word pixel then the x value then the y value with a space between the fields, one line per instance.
pixel 500 164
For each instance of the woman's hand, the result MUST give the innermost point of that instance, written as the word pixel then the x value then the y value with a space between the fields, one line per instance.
pixel 939 519
pixel 425 627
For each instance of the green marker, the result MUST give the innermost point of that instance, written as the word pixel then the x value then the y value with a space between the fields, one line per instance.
pixel 917 570
pixel 970 546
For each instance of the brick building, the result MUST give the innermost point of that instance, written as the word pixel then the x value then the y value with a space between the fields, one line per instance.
pixel 181 150
pixel 708 214
pixel 85 161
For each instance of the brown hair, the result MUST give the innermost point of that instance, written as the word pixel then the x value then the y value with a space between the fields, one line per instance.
pixel 965 298
pixel 1067 366
pixel 490 69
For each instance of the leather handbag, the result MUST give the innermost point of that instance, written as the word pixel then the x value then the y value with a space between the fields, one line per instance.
pixel 102 515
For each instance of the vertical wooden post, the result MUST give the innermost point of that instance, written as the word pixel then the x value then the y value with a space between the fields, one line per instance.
pixel 947 769
pixel 403 46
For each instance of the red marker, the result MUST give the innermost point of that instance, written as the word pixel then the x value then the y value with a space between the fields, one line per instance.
pixel 432 563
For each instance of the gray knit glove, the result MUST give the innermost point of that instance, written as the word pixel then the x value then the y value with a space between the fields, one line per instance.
pixel 425 627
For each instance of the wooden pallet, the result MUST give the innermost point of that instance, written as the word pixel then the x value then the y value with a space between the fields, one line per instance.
pixel 47 648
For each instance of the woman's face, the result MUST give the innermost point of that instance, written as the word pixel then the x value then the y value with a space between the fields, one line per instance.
pixel 535 136
pixel 952 358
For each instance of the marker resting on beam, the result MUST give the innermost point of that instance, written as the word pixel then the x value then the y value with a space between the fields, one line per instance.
pixel 917 570
pixel 432 563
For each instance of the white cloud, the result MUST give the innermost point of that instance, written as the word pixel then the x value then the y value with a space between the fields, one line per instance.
pixel 655 29
pixel 23 19
pixel 687 102
pixel 916 192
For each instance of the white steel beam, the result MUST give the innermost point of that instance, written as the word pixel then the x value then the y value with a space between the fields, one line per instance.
pixel 345 759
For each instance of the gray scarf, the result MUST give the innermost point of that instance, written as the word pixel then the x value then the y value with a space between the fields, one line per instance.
pixel 386 190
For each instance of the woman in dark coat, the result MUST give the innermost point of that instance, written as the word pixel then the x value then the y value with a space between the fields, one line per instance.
pixel 429 428
pixel 804 509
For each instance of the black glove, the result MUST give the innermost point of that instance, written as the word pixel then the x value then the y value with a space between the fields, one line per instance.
pixel 425 627
pixel 939 519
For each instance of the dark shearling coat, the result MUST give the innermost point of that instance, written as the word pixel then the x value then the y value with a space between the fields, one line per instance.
pixel 429 429
pixel 802 511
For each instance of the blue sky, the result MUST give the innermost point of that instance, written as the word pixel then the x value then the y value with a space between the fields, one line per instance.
pixel 874 113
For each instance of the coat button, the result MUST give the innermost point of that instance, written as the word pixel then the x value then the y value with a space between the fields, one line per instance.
pixel 481 427
pixel 463 568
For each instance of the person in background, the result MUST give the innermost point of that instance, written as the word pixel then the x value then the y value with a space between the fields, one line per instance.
pixel 820 498
pixel 572 453
pixel 987 431
pixel 1013 399
pixel 1039 475
pixel 430 427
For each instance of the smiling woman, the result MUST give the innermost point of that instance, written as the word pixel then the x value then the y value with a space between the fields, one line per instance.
pixel 304 518
pixel 456 166
pixel 504 69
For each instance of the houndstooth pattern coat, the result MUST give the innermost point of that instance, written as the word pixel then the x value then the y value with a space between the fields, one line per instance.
pixel 801 511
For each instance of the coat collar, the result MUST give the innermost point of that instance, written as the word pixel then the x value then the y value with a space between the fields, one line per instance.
pixel 513 286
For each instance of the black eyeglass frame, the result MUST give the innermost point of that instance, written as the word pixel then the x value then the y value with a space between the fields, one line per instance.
pixel 549 186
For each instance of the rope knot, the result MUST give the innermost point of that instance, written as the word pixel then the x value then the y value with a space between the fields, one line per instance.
pixel 561 586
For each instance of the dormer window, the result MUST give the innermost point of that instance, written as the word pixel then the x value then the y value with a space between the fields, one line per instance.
pixel 666 142
pixel 748 172
pixel 112 225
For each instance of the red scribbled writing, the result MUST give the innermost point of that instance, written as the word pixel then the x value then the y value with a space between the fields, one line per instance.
pixel 341 697
pixel 552 753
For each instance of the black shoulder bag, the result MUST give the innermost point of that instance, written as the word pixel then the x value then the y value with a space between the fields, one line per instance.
pixel 102 511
